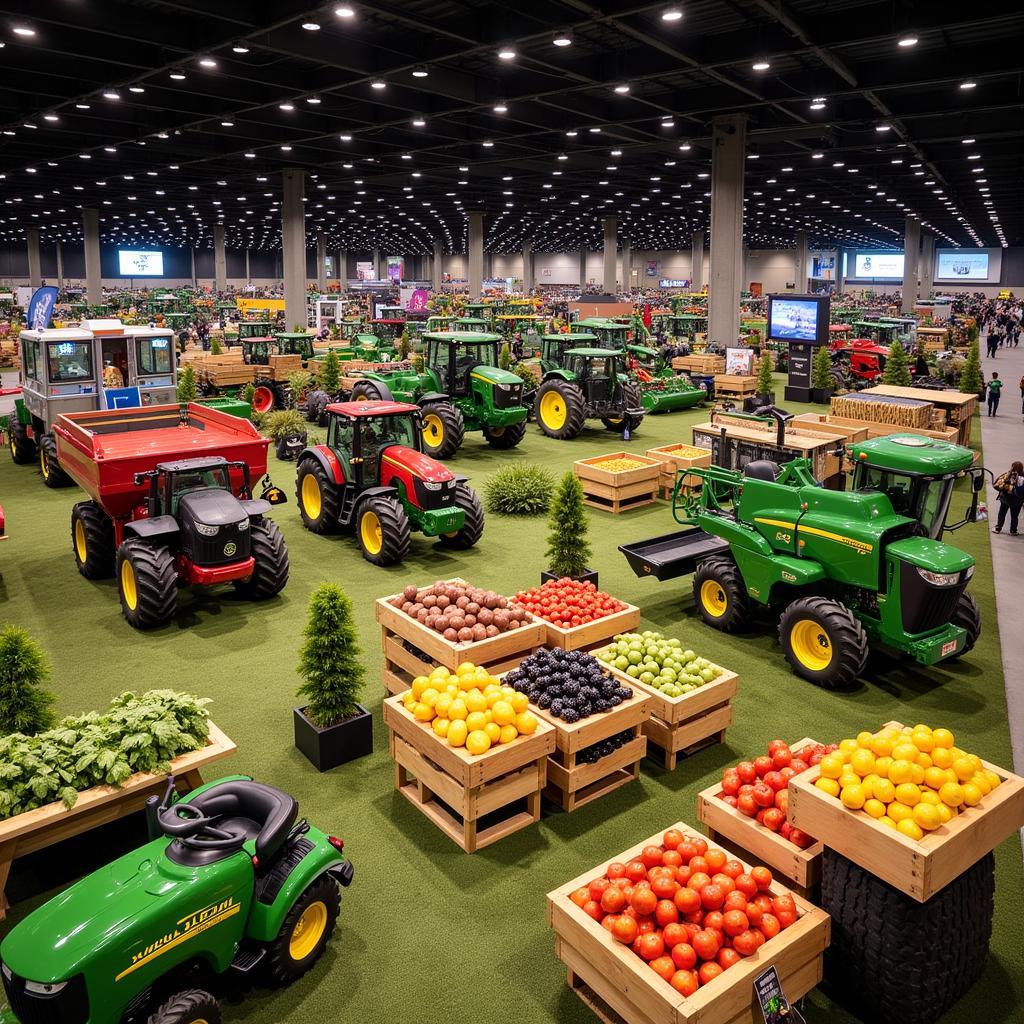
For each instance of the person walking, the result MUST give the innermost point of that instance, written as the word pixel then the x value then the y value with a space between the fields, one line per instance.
pixel 1010 491
pixel 992 342
pixel 995 385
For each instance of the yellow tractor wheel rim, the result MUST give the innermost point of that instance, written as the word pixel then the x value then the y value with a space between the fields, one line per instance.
pixel 496 431
pixel 713 598
pixel 811 645
pixel 370 532
pixel 308 931
pixel 44 467
pixel 312 500
pixel 129 588
pixel 553 411
pixel 433 430
pixel 80 544
pixel 362 397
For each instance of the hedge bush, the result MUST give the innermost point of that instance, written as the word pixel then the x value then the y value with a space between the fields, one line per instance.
pixel 519 490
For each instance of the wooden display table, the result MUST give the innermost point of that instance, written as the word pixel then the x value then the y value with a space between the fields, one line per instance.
pixel 34 830
pixel 958 406
pixel 621 988
pixel 732 385
pixel 838 423
pixel 621 490
pixel 699 364
pixel 677 458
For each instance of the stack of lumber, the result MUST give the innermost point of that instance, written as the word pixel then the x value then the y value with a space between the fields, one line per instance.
pixel 280 366
pixel 225 369
pixel 699 364
pixel 901 412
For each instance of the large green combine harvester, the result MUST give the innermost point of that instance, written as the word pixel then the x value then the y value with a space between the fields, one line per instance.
pixel 843 572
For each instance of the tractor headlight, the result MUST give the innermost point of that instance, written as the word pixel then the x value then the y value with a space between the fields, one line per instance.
pixel 939 579
pixel 431 486
pixel 243 525
pixel 42 988
pixel 504 387
pixel 207 531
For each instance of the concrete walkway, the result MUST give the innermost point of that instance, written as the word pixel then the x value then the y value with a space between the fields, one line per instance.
pixel 1003 439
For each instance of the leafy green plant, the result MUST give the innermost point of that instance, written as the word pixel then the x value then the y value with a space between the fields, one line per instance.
pixel 519 490
pixel 282 423
pixel 138 733
pixel 329 375
pixel 335 331
pixel 821 370
pixel 568 549
pixel 505 357
pixel 527 374
pixel 25 706
pixel 329 661
pixel 897 366
pixel 299 382
pixel 765 382
pixel 299 329
pixel 187 389
pixel 248 392
pixel 215 347
pixel 971 380
pixel 417 361
pixel 404 345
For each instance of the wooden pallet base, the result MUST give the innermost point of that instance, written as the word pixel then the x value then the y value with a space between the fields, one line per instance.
pixel 809 892
pixel 617 505
pixel 687 737
pixel 571 801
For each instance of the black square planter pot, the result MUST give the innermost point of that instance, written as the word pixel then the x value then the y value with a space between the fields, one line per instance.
pixel 821 396
pixel 327 748
pixel 589 576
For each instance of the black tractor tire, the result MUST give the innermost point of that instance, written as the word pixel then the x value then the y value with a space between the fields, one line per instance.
pixel 444 429
pixel 721 595
pixel 811 628
pixel 154 598
pixel 282 394
pixel 314 492
pixel 897 960
pixel 371 391
pixel 473 527
pixel 193 1006
pixel 968 617
pixel 316 405
pixel 270 573
pixel 565 407
pixel 384 541
pixel 53 475
pixel 23 448
pixel 92 541
pixel 503 438
pixel 306 930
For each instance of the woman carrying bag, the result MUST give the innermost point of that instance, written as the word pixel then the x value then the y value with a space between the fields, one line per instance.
pixel 1010 490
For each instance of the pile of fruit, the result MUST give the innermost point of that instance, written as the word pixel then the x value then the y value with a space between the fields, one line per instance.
pixel 567 602
pixel 461 613
pixel 659 662
pixel 620 465
pixel 569 684
pixel 759 788
pixel 687 451
pixel 911 779
pixel 688 910
pixel 469 708
pixel 602 748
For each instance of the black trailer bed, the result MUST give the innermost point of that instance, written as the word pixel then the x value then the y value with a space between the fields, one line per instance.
pixel 672 555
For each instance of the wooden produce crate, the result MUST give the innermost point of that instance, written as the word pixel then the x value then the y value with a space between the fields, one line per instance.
pixel 919 869
pixel 699 364
pixel 456 789
pixel 751 841
pixel 582 637
pixel 676 457
pixel 621 988
pixel 618 491
pixel 732 385
pixel 958 406
pixel 33 830
pixel 280 366
pixel 907 414
pixel 886 429
pixel 410 649
pixel 819 424
pixel 679 726
pixel 571 784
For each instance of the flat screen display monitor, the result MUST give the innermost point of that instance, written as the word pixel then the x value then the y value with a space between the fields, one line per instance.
pixel 885 266
pixel 140 263
pixel 962 266
pixel 802 318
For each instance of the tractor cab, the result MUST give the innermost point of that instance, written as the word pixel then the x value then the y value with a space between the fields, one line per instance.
pixel 610 334
pixel 597 371
pixel 880 332
pixel 360 432
pixel 387 330
pixel 297 343
pixel 918 475
pixel 465 365
pixel 555 346
pixel 253 329
pixel 469 324
pixel 438 323
pixel 257 351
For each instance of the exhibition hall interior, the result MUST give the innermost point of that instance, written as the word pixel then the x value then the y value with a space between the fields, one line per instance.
pixel 511 513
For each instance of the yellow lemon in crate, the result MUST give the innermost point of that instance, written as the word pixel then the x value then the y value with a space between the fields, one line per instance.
pixel 910 829
pixel 901 771
pixel 862 762
pixel 478 742
pixel 853 796
pixel 526 723
pixel 457 733
pixel 830 786
pixel 927 817
pixel 943 738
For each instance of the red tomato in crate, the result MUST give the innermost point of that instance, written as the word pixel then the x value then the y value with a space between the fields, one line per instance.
pixel 684 956
pixel 685 982
pixel 625 929
pixel 652 946
pixel 664 967
pixel 709 971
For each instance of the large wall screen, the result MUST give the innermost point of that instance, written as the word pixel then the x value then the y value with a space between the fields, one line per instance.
pixel 139 263
pixel 886 266
pixel 962 266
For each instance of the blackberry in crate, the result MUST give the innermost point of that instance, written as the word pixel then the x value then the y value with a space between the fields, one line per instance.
pixel 572 684
pixel 596 751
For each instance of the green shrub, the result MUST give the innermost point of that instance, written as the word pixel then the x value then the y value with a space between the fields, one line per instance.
pixel 765 381
pixel 136 734
pixel 821 370
pixel 519 490
pixel 504 357
pixel 329 377
pixel 282 423
pixel 528 374
pixel 568 550
pixel 215 347
pixel 187 389
pixel 299 382
pixel 897 366
pixel 329 662
pixel 971 380
pixel 25 706
pixel 248 393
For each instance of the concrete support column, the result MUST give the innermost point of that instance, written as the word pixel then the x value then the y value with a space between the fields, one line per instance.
pixel 583 268
pixel 840 279
pixel 93 275
pixel 321 263
pixel 60 264
pixel 437 275
pixel 35 272
pixel 527 266
pixel 377 272
pixel 293 245
pixel 220 259
pixel 728 151
pixel 697 261
pixel 192 253
pixel 476 256
pixel 627 266
pixel 927 265
pixel 801 266
pixel 611 232
pixel 488 266
pixel 342 267
pixel 911 244
pixel 248 270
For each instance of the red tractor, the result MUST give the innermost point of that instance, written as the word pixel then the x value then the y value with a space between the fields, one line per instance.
pixel 373 476
pixel 858 362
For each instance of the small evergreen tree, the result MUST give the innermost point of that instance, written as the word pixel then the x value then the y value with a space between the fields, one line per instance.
pixel 505 357
pixel 329 377
pixel 971 381
pixel 187 390
pixel 215 349
pixel 417 361
pixel 821 375
pixel 404 345
pixel 24 706
pixel 248 392
pixel 568 549
pixel 765 382
pixel 329 663
pixel 897 367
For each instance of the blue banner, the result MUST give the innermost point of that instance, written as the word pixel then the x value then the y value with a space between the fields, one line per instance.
pixel 40 308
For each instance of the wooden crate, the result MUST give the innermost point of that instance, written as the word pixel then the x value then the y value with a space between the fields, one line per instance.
pixel 620 987
pixel 674 458
pixel 819 424
pixel 618 491
pixel 908 414
pixel 800 868
pixel 399 632
pixel 571 784
pixel 886 429
pixel 958 406
pixel 682 725
pixel 34 830
pixel 699 364
pixel 919 869
pixel 577 638
pixel 732 385
pixel 456 789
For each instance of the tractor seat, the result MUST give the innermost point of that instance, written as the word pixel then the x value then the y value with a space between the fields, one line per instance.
pixel 762 469
pixel 264 813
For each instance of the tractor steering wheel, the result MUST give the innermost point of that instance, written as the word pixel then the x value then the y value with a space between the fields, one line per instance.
pixel 194 829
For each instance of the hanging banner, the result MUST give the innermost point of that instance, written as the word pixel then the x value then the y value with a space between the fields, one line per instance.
pixel 396 268
pixel 414 300
pixel 365 270
pixel 40 308
pixel 652 268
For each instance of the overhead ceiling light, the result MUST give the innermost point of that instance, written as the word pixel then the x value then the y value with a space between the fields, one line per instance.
pixel 968 85
pixel 178 76
pixel 249 156
pixel 668 124
pixel 111 95
pixel 311 26
pixel 50 117
pixel 487 143
pixel 761 65
pixel 622 88
pixel 907 41
pixel 286 149
pixel 285 106
pixel 883 127
pixel 313 99
pixel 572 133
pixel 82 106
pixel 227 124
pixel 345 11
pixel 239 48
pixel 420 72
pixel 419 120
pixel 378 83
pixel 967 142
pixel 23 30
pixel 507 53
pixel 345 138
pixel 562 38
pixel 207 62
pixel 672 14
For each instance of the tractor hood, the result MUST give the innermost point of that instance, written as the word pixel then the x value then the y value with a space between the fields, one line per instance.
pixel 913 454
pixel 496 376
pixel 931 555
pixel 418 464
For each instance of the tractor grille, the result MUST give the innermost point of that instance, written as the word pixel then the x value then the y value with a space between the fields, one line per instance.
pixel 925 606
pixel 68 1006
pixel 210 551
pixel 507 399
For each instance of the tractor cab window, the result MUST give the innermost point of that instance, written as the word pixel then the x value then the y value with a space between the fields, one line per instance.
pixel 924 500
pixel 153 355
pixel 30 358
pixel 196 480
pixel 69 361
pixel 932 505
pixel 379 432
pixel 468 356
pixel 257 352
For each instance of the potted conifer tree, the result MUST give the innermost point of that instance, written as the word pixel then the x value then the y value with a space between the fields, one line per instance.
pixel 332 727
pixel 25 706
pixel 897 366
pixel 765 385
pixel 822 381
pixel 568 548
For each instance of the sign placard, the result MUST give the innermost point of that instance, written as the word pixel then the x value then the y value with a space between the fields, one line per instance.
pixel 798 388
pixel 739 361
pixel 772 1000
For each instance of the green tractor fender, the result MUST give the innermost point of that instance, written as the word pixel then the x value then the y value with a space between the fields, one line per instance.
pixel 762 573
pixel 560 374
pixel 433 396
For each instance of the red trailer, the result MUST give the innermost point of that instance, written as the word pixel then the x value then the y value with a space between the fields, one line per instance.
pixel 171 502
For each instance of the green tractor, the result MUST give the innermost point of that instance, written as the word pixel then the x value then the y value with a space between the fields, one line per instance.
pixel 585 383
pixel 461 388
pixel 844 572
pixel 229 882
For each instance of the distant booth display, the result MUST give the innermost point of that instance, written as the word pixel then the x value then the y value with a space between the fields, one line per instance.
pixel 802 322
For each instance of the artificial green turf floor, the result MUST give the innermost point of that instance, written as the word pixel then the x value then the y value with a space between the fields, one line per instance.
pixel 427 932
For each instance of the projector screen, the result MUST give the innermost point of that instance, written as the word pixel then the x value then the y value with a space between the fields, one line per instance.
pixel 962 266
pixel 139 263
pixel 801 318
pixel 887 265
